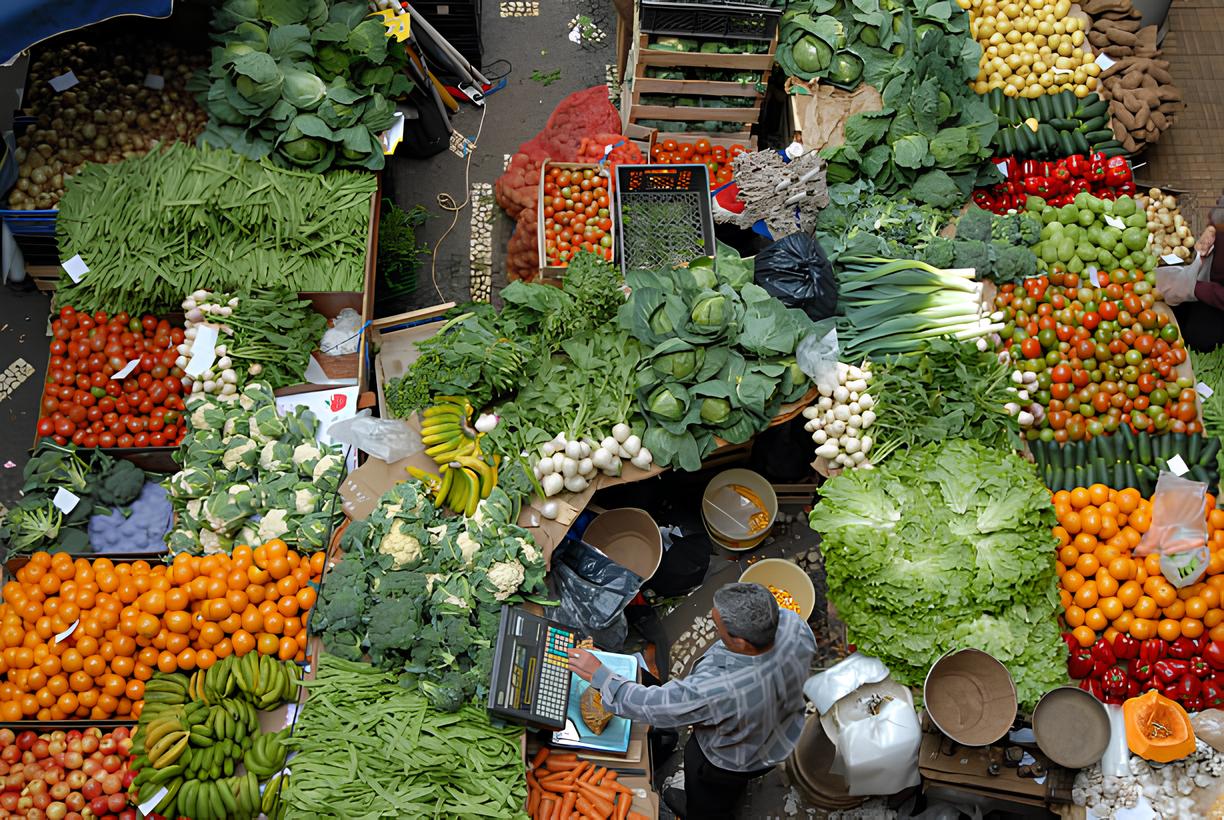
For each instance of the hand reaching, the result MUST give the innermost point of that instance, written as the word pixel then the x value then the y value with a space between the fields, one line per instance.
pixel 1206 242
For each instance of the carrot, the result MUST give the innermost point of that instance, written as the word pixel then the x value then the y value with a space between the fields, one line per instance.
pixel 544 810
pixel 540 757
pixel 601 792
pixel 623 802
pixel 597 798
pixel 567 805
pixel 567 776
pixel 560 788
pixel 611 775
pixel 584 766
pixel 568 756
pixel 598 776
pixel 554 765
pixel 533 794
pixel 635 816
pixel 617 787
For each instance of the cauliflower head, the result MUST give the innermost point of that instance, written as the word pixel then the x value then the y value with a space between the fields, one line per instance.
pixel 468 547
pixel 305 499
pixel 506 578
pixel 274 524
pixel 403 547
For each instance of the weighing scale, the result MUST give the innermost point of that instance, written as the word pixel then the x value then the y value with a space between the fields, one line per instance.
pixel 615 736
pixel 531 676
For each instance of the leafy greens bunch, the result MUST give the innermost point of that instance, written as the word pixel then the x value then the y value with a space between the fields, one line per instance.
pixel 306 82
pixel 861 222
pixel 103 484
pixel 933 134
pixel 1209 369
pixel 949 389
pixel 718 357
pixel 944 547
pixel 421 593
pixel 250 475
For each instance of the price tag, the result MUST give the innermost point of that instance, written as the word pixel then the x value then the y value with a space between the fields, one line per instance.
pixel 127 368
pixel 1104 61
pixel 76 268
pixel 1063 71
pixel 203 350
pixel 794 150
pixel 1114 222
pixel 71 628
pixel 1092 276
pixel 65 500
pixel 64 81
pixel 1171 259
pixel 1204 390
pixel 1002 166
pixel 1178 466
pixel 146 808
pixel 155 81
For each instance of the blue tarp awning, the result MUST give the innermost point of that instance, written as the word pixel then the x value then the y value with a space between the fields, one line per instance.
pixel 24 23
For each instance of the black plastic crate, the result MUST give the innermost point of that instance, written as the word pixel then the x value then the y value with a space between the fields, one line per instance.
pixel 743 21
pixel 682 230
pixel 458 22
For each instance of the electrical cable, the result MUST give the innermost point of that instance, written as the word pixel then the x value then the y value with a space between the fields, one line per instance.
pixel 447 203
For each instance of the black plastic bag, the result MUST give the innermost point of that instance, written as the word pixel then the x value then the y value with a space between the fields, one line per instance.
pixel 594 589
pixel 796 271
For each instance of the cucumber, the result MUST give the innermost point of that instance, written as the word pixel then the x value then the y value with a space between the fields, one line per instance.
pixel 1210 450
pixel 1010 112
pixel 1080 478
pixel 1080 143
pixel 1120 446
pixel 1004 141
pixel 1094 124
pixel 1145 447
pixel 1101 135
pixel 1064 124
pixel 994 98
pixel 1199 474
pixel 1100 108
pixel 1127 437
pixel 1119 476
pixel 1194 449
pixel 1055 481
pixel 1129 479
pixel 1101 472
pixel 1179 446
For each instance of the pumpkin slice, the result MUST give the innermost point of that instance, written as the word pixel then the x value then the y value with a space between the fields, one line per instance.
pixel 1157 728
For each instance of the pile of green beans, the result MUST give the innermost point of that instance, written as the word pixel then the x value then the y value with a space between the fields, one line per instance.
pixel 152 229
pixel 367 747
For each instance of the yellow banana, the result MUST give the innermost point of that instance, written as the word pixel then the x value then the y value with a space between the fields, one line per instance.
pixel 443 409
pixel 460 490
pixel 484 472
pixel 474 496
pixel 448 479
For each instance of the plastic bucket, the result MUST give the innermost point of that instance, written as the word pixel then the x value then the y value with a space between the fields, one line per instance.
pixel 725 526
pixel 630 537
pixel 787 575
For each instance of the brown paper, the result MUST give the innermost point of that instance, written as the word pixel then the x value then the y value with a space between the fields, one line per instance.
pixel 824 109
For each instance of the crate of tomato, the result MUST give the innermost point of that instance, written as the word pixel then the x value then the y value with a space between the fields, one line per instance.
pixel 575 215
pixel 112 382
pixel 714 153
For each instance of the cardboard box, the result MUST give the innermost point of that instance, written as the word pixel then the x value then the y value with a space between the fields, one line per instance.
pixel 634 768
pixel 394 342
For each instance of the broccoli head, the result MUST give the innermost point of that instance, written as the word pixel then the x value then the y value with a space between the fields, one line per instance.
pixel 121 484
pixel 1030 229
pixel 394 627
pixel 398 584
pixel 975 224
pixel 973 253
pixel 338 608
pixel 450 693
pixel 1013 264
pixel 939 253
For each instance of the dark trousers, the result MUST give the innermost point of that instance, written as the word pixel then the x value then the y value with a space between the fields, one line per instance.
pixel 1202 325
pixel 711 792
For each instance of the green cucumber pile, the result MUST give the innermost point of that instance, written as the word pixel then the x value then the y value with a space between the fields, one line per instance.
pixel 1052 126
pixel 1125 459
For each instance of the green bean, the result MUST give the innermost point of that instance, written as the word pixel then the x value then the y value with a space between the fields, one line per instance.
pixel 153 229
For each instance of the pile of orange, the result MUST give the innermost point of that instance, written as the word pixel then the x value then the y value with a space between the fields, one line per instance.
pixel 133 619
pixel 1106 588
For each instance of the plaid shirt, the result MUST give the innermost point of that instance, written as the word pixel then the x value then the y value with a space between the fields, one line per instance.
pixel 746 710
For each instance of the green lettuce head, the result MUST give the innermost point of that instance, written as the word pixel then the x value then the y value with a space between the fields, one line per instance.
pixel 715 411
pixel 660 322
pixel 710 311
pixel 679 365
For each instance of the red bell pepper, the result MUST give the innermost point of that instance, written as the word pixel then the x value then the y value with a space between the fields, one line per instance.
pixel 1139 669
pixel 1127 188
pixel 1124 647
pixel 1117 172
pixel 1193 704
pixel 1213 653
pixel 1153 649
pixel 1188 687
pixel 1169 670
pixel 1093 687
pixel 983 198
pixel 1080 663
pixel 1212 694
pixel 1114 681
pixel 1078 164
pixel 1102 652
pixel 1133 689
pixel 1200 668
pixel 1182 647
pixel 1096 168
pixel 1060 176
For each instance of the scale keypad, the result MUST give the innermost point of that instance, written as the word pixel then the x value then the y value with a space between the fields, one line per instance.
pixel 552 695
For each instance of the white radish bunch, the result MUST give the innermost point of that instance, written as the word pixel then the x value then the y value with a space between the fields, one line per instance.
pixel 841 417
pixel 570 465
pixel 206 307
pixel 1027 411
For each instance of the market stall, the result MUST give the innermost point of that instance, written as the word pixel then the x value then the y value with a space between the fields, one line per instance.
pixel 283 552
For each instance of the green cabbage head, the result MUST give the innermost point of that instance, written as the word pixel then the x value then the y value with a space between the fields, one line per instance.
pixel 303 90
pixel 666 405
pixel 710 311
pixel 715 411
pixel 811 54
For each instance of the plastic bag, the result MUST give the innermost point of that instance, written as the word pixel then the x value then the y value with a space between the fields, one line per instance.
pixel 1116 760
pixel 817 354
pixel 877 735
pixel 1176 282
pixel 344 335
pixel 594 589
pixel 388 439
pixel 827 688
pixel 1179 529
pixel 796 271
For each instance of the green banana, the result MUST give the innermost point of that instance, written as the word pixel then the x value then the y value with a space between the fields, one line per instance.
pixel 173 753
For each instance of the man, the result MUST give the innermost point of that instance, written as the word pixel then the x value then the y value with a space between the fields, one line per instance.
pixel 1196 291
pixel 744 699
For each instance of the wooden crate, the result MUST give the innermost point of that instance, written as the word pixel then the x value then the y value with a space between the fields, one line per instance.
pixel 747 116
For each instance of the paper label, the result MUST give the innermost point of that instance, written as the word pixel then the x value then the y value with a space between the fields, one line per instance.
pixel 1002 166
pixel 64 81
pixel 1063 71
pixel 1114 222
pixel 146 808
pixel 65 500
pixel 1177 466
pixel 127 368
pixel 1204 390
pixel 794 150
pixel 155 81
pixel 203 351
pixel 1104 61
pixel 76 268
pixel 1092 277
pixel 1171 259
pixel 71 628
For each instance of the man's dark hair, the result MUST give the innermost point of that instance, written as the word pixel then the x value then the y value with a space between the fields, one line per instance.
pixel 748 611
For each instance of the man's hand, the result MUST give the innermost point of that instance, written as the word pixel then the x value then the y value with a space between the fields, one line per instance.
pixel 583 664
pixel 1206 242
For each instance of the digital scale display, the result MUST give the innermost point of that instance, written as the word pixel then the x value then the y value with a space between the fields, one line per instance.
pixel 531 676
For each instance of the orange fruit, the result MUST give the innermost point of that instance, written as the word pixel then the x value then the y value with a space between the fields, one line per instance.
pixel 1122 568
pixel 1168 629
pixel 267 643
pixel 1213 617
pixel 205 658
pixel 1191 627
pixel 167 663
pixel 1087 565
pixel 1143 628
pixel 1123 622
pixel 1095 620
pixel 1084 635
pixel 1107 585
pixel 1111 608
pixel 1165 594
pixel 243 642
pixel 1145 607
pixel 288 606
pixel 1074 616
pixel 1068 555
pixel 274 622
pixel 1098 494
pixel 1086 597
pixel 306 597
pixel 278 567
pixel 224 648
pixel 1080 498
pixel 1196 607
pixel 187 659
pixel 1175 610
pixel 288 648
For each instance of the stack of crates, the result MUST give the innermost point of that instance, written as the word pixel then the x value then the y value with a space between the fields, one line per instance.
pixel 456 20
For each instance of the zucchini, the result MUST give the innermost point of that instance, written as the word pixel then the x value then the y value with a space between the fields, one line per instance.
pixel 1004 140
pixel 1119 476
pixel 1009 111
pixel 994 98
pixel 1094 124
pixel 1080 143
pixel 1070 455
pixel 1101 474
pixel 1179 446
pixel 1100 108
pixel 1099 136
pixel 1079 477
pixel 1129 479
pixel 1056 479
pixel 1145 447
pixel 1120 445
pixel 1063 124
pixel 1194 450
pixel 1199 474
pixel 1210 450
